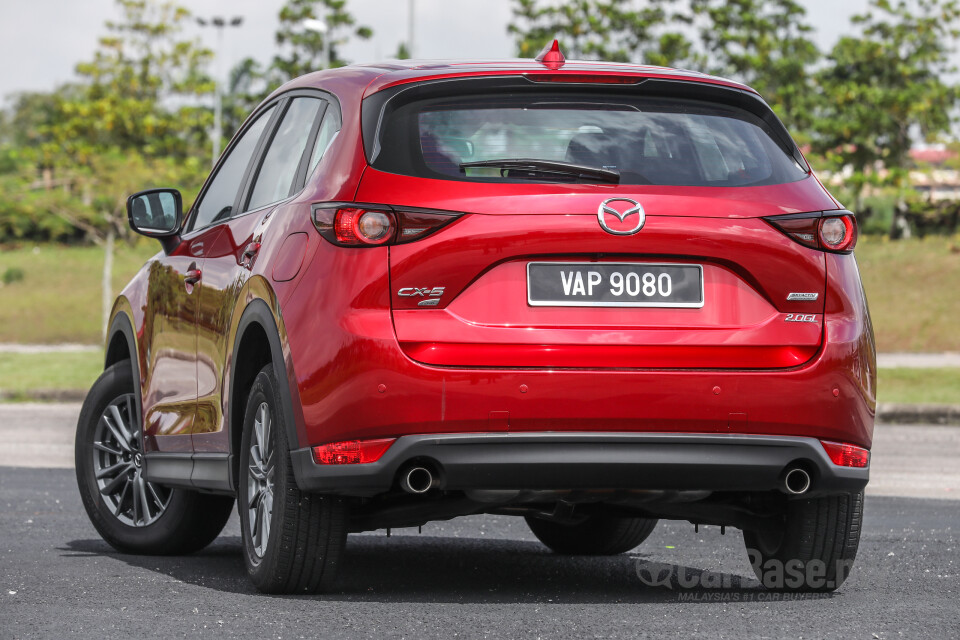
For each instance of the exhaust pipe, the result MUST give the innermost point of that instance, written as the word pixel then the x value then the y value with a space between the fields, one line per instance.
pixel 416 480
pixel 796 482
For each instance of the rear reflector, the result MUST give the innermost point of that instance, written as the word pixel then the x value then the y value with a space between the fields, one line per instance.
pixel 351 451
pixel 846 455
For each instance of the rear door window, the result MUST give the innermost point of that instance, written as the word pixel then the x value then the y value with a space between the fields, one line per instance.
pixel 217 201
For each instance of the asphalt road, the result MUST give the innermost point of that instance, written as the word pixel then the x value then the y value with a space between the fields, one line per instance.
pixel 481 576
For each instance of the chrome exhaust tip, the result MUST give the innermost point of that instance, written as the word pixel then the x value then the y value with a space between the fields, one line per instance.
pixel 416 480
pixel 796 482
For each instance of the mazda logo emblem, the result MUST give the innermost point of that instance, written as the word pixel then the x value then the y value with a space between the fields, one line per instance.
pixel 607 208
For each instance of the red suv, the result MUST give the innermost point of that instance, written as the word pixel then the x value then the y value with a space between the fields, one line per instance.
pixel 589 294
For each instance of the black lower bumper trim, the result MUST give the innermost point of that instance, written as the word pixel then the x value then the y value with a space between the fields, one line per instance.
pixel 562 461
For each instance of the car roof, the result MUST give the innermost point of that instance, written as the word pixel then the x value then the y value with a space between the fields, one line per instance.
pixel 373 77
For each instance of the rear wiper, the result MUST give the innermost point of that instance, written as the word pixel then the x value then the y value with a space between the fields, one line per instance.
pixel 531 168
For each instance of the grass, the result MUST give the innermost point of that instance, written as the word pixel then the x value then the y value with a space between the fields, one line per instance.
pixel 912 288
pixel 20 373
pixel 924 386
pixel 53 292
pixel 58 297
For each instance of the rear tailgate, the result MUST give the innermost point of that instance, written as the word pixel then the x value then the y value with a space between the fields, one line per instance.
pixel 540 273
pixel 484 316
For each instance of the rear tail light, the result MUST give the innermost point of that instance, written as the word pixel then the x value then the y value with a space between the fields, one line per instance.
pixel 363 225
pixel 838 233
pixel 834 231
pixel 846 455
pixel 352 451
pixel 353 226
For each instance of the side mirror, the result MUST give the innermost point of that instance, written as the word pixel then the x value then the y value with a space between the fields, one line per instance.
pixel 157 213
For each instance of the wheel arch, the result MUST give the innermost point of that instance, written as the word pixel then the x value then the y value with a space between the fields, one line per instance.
pixel 121 344
pixel 257 343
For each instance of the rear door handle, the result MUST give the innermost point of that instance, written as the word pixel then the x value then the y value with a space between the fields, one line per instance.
pixel 192 276
pixel 249 254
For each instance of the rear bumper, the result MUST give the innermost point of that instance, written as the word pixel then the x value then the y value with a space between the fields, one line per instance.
pixel 576 461
pixel 351 380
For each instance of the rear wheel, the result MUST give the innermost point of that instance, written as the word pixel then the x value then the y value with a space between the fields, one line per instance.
pixel 130 513
pixel 598 535
pixel 292 541
pixel 812 548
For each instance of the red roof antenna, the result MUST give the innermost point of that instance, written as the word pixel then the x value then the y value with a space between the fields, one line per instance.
pixel 551 57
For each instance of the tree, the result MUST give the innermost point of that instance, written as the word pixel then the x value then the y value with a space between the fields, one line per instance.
pixel 611 30
pixel 885 85
pixel 765 44
pixel 134 118
pixel 143 89
pixel 247 86
pixel 304 49
pixel 403 53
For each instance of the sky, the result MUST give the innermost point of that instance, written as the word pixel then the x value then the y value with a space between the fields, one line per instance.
pixel 42 40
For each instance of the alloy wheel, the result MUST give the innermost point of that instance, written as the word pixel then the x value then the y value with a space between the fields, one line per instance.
pixel 260 484
pixel 118 467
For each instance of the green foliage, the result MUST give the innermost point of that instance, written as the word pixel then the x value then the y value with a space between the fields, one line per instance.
pixel 885 83
pixel 612 30
pixel 138 71
pixel 403 53
pixel 133 119
pixel 247 86
pixel 303 49
pixel 11 275
pixel 765 44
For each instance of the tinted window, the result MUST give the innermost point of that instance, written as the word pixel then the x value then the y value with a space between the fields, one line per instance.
pixel 647 140
pixel 279 168
pixel 217 202
pixel 328 129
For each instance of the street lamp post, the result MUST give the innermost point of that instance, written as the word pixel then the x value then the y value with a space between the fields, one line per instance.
pixel 219 23
pixel 320 26
pixel 411 28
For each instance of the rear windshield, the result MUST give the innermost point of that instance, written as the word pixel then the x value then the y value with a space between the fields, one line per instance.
pixel 655 141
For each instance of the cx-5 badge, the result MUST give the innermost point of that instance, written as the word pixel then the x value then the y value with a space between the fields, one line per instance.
pixel 432 295
pixel 424 292
pixel 607 208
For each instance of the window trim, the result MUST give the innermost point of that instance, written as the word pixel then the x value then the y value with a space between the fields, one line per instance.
pixel 296 186
pixel 191 218
pixel 281 101
pixel 334 110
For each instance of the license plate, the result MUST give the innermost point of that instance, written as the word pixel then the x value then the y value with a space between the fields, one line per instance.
pixel 614 284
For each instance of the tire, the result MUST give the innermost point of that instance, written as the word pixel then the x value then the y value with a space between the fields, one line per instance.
pixel 812 548
pixel 131 514
pixel 292 541
pixel 598 535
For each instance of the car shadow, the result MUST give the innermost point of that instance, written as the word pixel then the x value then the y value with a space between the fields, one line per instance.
pixel 462 570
